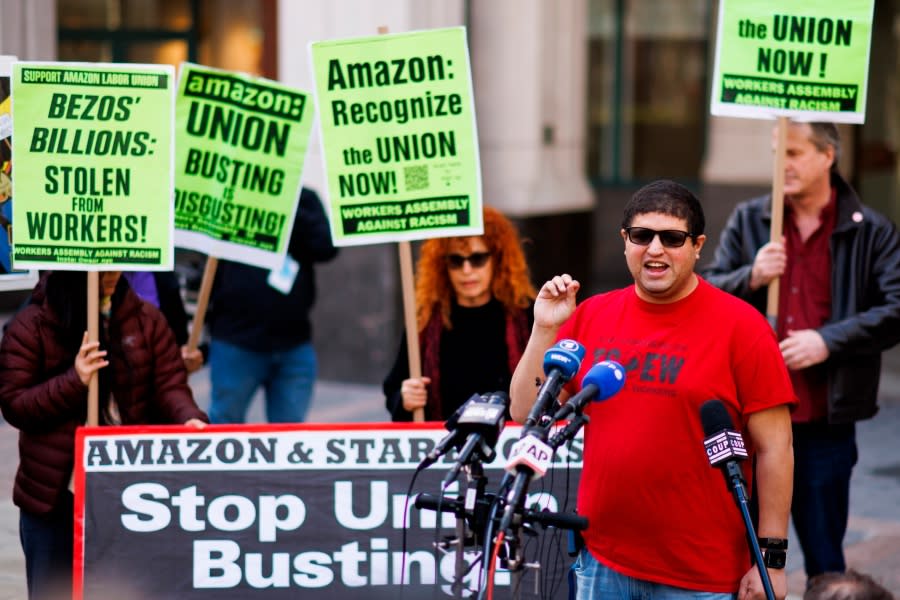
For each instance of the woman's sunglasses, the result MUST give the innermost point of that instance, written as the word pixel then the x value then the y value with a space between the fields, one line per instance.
pixel 476 259
pixel 669 238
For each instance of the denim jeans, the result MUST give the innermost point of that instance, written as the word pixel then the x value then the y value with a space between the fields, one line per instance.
pixel 286 376
pixel 47 544
pixel 596 581
pixel 824 456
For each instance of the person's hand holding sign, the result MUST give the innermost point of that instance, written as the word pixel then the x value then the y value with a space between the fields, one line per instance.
pixel 414 392
pixel 193 358
pixel 769 263
pixel 89 359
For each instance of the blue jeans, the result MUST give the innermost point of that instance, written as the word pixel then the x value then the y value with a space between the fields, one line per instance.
pixel 824 456
pixel 47 544
pixel 235 374
pixel 596 581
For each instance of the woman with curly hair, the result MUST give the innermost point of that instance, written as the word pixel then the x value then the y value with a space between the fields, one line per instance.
pixel 473 299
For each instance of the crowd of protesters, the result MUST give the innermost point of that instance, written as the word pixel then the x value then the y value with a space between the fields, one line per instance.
pixel 795 387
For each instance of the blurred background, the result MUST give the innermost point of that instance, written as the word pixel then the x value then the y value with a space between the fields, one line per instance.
pixel 578 103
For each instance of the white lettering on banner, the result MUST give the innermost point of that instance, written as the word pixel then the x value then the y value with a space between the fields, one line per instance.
pixel 141 498
pixel 378 505
pixel 218 564
pixel 380 500
pixel 532 453
pixel 133 498
pixel 149 512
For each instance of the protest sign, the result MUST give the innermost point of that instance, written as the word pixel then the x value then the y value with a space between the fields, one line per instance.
pixel 285 511
pixel 10 279
pixel 799 59
pixel 241 143
pixel 93 148
pixel 398 136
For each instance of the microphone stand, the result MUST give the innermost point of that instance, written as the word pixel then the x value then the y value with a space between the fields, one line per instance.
pixel 476 518
pixel 472 498
pixel 470 509
pixel 740 495
pixel 516 515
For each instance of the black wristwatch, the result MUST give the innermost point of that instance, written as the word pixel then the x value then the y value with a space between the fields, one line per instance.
pixel 774 551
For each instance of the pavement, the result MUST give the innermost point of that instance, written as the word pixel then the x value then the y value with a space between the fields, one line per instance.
pixel 873 539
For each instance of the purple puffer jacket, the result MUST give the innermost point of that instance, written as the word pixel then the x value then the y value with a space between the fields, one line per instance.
pixel 42 396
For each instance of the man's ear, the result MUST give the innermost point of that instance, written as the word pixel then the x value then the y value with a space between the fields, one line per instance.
pixel 830 156
pixel 698 242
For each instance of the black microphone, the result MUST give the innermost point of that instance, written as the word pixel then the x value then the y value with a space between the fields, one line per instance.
pixel 725 450
pixel 451 440
pixel 481 423
pixel 724 446
pixel 561 362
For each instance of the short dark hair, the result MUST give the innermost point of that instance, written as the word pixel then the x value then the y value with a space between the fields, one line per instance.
pixel 824 135
pixel 669 198
pixel 851 585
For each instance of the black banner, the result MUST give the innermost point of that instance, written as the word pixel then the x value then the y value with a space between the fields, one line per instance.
pixel 289 511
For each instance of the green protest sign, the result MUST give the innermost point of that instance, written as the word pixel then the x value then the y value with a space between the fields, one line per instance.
pixel 93 172
pixel 10 279
pixel 398 136
pixel 240 146
pixel 804 59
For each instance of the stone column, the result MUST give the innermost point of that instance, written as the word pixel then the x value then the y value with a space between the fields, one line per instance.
pixel 28 29
pixel 529 70
pixel 529 60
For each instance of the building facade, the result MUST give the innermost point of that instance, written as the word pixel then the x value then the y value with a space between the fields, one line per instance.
pixel 578 103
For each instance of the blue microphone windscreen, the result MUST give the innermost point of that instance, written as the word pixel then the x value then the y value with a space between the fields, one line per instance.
pixel 565 356
pixel 608 376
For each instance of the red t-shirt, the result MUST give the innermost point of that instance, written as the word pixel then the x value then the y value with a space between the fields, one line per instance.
pixel 656 509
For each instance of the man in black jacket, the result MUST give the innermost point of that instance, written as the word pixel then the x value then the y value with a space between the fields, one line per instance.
pixel 839 309
pixel 260 332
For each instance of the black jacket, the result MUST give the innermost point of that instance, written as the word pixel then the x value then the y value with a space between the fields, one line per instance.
pixel 247 312
pixel 171 305
pixel 865 292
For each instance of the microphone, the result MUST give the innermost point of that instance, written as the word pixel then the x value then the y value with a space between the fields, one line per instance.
pixel 724 446
pixel 481 422
pixel 725 450
pixel 604 380
pixel 561 362
pixel 451 440
pixel 531 456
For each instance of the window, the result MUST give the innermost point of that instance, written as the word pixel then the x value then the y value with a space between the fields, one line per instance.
pixel 647 89
pixel 237 35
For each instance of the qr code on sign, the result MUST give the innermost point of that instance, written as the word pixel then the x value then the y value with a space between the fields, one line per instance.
pixel 416 177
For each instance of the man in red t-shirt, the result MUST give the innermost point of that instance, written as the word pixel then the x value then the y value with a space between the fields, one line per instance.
pixel 661 521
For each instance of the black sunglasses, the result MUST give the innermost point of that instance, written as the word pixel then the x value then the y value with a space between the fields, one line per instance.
pixel 669 238
pixel 476 259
